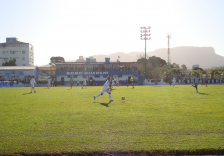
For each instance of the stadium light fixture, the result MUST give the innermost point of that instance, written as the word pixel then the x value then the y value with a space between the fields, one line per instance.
pixel 145 35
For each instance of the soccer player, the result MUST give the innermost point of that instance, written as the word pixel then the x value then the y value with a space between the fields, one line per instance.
pixel 49 82
pixel 174 81
pixel 105 89
pixel 115 81
pixel 52 83
pixel 32 82
pixel 110 85
pixel 77 82
pixel 131 82
pixel 118 82
pixel 71 82
pixel 196 81
pixel 205 80
pixel 84 83
pixel 170 80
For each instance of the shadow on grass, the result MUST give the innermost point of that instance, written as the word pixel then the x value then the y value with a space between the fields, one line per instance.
pixel 157 86
pixel 105 104
pixel 203 94
pixel 69 89
pixel 112 89
pixel 26 93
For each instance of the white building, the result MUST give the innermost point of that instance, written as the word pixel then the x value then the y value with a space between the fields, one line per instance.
pixel 14 49
pixel 195 65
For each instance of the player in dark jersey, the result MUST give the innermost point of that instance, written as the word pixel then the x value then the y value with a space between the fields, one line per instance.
pixel 196 81
pixel 205 81
pixel 71 82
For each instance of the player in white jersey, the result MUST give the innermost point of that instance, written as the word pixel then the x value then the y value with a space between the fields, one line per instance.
pixel 174 81
pixel 49 82
pixel 105 89
pixel 84 83
pixel 32 82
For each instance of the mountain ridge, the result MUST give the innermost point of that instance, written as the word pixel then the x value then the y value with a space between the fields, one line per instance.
pixel 188 55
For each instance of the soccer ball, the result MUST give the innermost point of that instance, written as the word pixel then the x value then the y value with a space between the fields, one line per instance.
pixel 123 98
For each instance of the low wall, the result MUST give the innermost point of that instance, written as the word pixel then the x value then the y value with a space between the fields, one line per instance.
pixel 14 84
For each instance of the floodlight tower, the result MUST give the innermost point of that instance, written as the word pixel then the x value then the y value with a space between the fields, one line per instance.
pixel 169 59
pixel 145 33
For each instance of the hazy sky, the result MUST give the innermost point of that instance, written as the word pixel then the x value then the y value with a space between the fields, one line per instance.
pixel 71 28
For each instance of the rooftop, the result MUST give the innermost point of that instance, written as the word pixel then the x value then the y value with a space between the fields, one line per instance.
pixel 17 67
pixel 15 42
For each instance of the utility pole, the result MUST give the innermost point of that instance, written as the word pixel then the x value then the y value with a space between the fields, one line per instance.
pixel 145 33
pixel 169 59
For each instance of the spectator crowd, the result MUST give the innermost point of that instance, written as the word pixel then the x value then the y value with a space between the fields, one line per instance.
pixel 22 79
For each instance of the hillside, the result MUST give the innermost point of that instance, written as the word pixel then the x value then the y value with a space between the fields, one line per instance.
pixel 204 56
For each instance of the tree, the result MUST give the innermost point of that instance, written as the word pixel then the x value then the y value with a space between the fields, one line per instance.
pixel 57 59
pixel 184 68
pixel 197 68
pixel 195 72
pixel 154 66
pixel 10 63
pixel 175 71
pixel 214 72
pixel 157 61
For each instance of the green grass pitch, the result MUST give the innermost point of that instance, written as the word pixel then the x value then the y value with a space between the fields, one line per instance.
pixel 158 117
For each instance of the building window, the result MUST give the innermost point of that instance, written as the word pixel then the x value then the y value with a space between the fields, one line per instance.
pixel 119 75
pixel 14 72
pixel 23 52
pixel 104 76
pixel 74 76
pixel 23 58
pixel 97 76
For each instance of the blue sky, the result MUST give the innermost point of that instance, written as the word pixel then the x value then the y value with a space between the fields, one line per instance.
pixel 71 28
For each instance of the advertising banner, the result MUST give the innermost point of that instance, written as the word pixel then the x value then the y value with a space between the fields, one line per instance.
pixel 8 83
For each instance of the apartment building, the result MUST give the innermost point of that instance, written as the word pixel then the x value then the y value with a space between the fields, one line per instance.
pixel 14 49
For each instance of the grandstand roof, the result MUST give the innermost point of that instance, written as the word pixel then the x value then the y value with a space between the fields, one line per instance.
pixel 17 67
pixel 95 63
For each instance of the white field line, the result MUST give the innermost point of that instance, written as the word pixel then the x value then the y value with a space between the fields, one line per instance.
pixel 116 133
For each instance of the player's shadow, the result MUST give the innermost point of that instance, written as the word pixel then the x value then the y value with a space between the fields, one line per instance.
pixel 203 94
pixel 69 89
pixel 26 93
pixel 105 104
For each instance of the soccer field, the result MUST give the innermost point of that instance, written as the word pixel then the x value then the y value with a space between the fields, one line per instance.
pixel 158 117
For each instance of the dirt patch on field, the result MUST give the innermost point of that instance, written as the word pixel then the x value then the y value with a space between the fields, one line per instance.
pixel 124 153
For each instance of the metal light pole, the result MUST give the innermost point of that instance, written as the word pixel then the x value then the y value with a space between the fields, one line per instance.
pixel 169 59
pixel 145 33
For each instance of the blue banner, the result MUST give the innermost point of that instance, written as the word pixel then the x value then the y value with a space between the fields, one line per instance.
pixel 97 73
pixel 8 83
